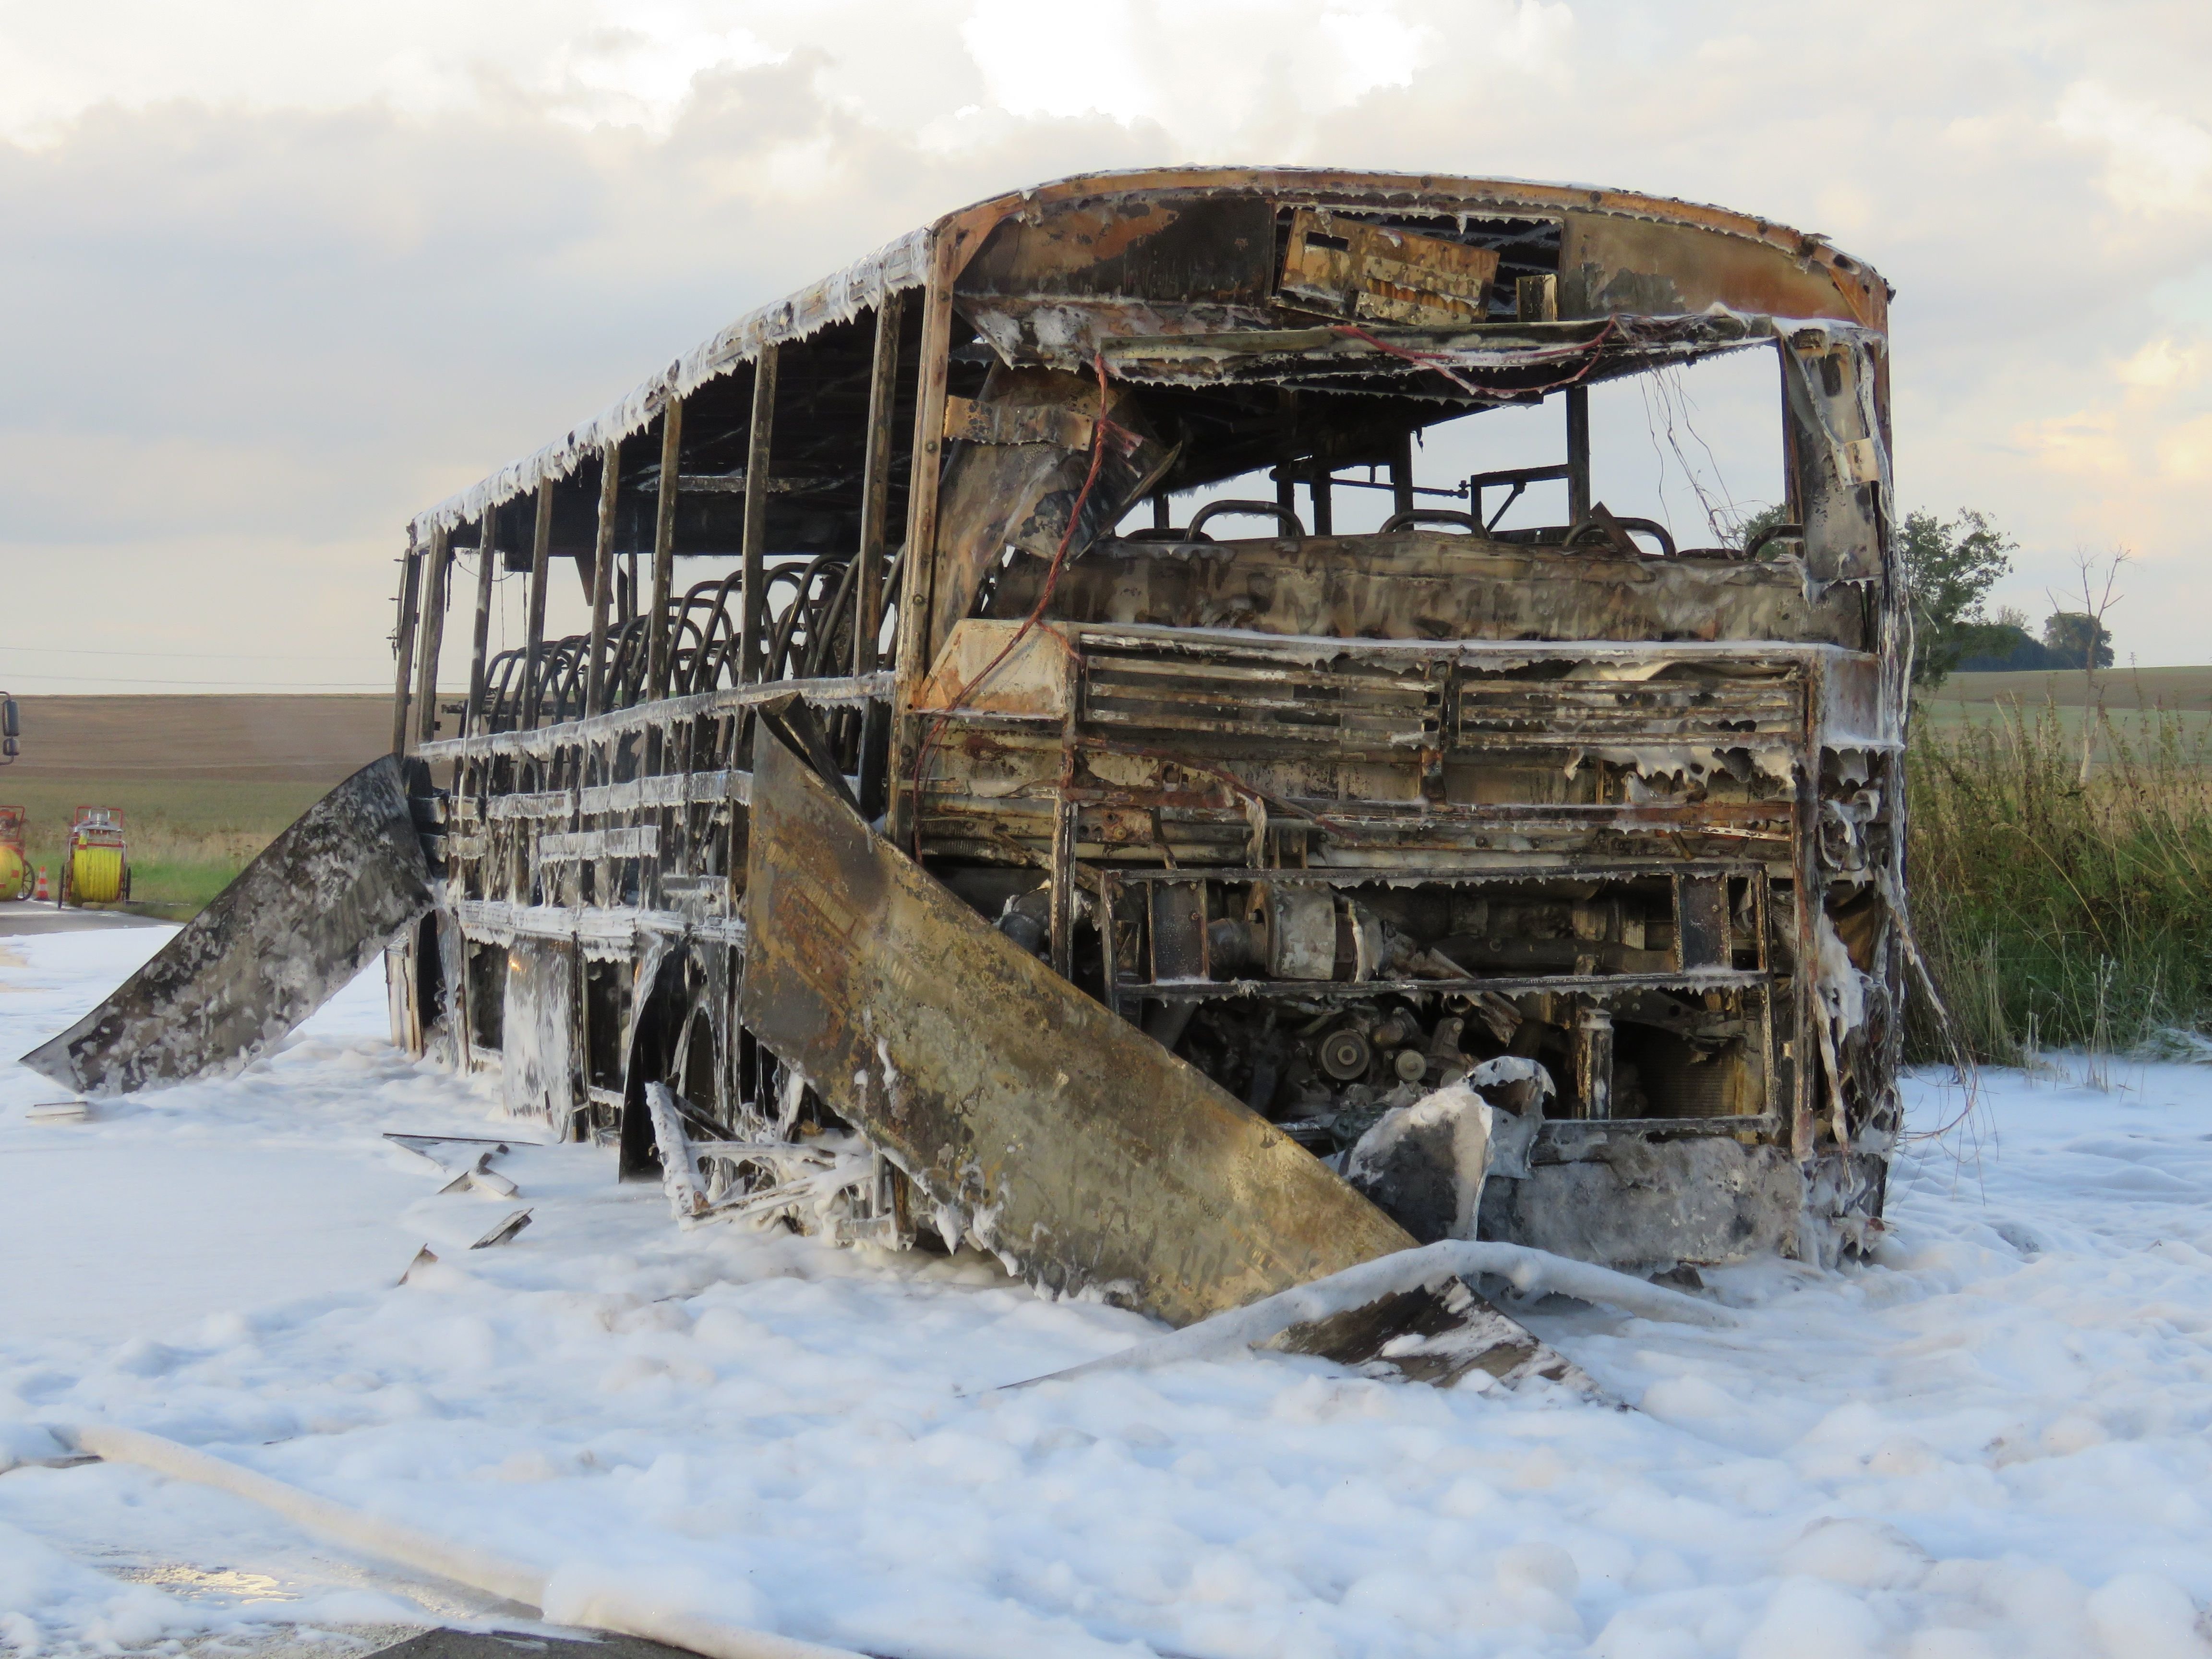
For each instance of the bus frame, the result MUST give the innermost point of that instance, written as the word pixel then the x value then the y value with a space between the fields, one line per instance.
pixel 1336 819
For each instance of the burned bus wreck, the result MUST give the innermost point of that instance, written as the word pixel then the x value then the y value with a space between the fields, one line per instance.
pixel 991 800
pixel 1334 818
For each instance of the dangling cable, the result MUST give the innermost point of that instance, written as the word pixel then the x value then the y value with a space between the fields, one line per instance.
pixel 1099 428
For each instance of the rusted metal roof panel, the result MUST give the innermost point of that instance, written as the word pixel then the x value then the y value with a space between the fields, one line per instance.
pixel 1132 235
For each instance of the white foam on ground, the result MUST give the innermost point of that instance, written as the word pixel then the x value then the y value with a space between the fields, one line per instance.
pixel 1991 1442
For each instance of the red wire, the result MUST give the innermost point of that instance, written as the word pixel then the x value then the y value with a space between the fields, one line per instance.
pixel 1437 362
pixel 1098 429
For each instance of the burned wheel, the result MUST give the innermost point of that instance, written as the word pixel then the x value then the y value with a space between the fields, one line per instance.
pixel 790 1161
pixel 734 1134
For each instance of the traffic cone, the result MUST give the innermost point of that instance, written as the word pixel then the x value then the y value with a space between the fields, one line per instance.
pixel 39 893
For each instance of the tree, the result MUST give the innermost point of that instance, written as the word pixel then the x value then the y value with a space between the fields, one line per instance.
pixel 1760 522
pixel 2067 635
pixel 1949 568
pixel 2002 646
pixel 2090 642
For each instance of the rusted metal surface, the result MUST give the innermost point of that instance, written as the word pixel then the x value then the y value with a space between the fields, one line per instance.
pixel 1057 1132
pixel 1137 236
pixel 303 918
pixel 1430 585
pixel 1362 270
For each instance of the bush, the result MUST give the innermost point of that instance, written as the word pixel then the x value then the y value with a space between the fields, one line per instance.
pixel 2053 913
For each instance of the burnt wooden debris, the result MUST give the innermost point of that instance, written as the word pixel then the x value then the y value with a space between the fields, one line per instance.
pixel 968 817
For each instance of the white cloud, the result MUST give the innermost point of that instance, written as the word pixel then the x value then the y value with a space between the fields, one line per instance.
pixel 299 268
pixel 2154 159
pixel 1211 75
pixel 2166 364
pixel 1054 61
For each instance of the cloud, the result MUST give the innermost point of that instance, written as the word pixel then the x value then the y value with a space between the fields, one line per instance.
pixel 279 276
pixel 2155 160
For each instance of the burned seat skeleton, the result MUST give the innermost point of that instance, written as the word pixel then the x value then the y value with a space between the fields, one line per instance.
pixel 960 823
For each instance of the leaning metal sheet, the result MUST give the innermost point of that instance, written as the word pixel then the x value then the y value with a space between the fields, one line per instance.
pixel 316 908
pixel 1065 1139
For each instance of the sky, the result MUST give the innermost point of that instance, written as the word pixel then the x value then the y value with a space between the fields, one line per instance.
pixel 277 274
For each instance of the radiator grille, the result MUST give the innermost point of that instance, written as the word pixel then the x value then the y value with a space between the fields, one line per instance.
pixel 1346 708
pixel 1499 712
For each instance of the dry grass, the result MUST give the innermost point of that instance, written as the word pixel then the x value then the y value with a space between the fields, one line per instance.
pixel 2057 914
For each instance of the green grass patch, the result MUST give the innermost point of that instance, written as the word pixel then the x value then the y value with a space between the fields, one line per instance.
pixel 2057 910
pixel 179 888
pixel 185 840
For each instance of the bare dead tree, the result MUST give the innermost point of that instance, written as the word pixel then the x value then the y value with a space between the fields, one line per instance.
pixel 2097 577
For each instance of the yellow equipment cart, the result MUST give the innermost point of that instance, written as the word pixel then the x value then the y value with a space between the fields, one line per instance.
pixel 15 862
pixel 96 867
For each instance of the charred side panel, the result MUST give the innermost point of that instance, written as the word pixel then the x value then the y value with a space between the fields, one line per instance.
pixel 1615 262
pixel 1426 585
pixel 539 1027
pixel 1052 1127
pixel 317 906
pixel 1219 250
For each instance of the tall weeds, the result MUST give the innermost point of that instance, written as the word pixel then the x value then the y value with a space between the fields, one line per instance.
pixel 2057 914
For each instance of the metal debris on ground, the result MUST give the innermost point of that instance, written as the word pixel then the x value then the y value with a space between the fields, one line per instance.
pixel 504 1232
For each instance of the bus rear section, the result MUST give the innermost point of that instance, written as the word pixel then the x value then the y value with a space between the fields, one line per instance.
pixel 1033 537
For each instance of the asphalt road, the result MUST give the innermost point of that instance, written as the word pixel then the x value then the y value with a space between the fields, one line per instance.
pixel 29 916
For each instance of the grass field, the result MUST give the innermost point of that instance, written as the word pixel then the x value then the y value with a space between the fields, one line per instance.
pixel 186 839
pixel 2057 911
pixel 203 783
pixel 2136 700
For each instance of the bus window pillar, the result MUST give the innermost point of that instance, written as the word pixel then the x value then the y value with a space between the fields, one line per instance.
pixel 434 632
pixel 474 721
pixel 876 487
pixel 1402 474
pixel 875 515
pixel 403 646
pixel 753 662
pixel 1578 454
pixel 603 578
pixel 541 556
pixel 660 641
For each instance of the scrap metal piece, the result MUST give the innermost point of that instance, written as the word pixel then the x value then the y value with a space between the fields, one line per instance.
pixel 1353 267
pixel 1034 1120
pixel 300 922
pixel 1435 1332
pixel 504 1232
pixel 480 1177
pixel 421 1144
pixel 679 1171
pixel 1423 1164
pixel 1057 1132
pixel 1338 1317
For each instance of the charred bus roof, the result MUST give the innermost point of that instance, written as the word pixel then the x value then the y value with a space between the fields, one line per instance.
pixel 1388 301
